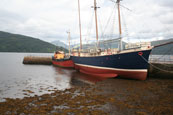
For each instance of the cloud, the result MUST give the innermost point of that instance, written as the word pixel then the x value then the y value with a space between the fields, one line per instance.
pixel 49 20
pixel 165 3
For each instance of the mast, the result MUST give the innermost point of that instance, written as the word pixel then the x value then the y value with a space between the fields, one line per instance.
pixel 69 42
pixel 119 19
pixel 80 25
pixel 95 9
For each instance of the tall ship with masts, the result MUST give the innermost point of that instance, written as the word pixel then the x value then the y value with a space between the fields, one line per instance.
pixel 129 63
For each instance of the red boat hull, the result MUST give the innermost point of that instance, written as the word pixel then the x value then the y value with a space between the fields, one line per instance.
pixel 108 73
pixel 63 63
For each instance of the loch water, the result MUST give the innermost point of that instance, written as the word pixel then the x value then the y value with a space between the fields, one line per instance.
pixel 18 80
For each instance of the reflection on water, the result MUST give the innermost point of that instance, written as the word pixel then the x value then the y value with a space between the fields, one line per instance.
pixel 75 78
pixel 81 79
pixel 18 80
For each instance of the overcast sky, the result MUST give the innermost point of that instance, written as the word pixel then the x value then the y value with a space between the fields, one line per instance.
pixel 49 20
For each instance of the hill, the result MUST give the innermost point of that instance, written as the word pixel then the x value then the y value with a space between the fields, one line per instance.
pixel 162 50
pixel 59 43
pixel 19 43
pixel 103 44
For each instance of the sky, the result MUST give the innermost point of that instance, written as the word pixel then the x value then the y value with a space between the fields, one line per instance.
pixel 49 20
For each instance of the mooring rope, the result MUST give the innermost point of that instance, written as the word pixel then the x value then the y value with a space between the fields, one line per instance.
pixel 156 66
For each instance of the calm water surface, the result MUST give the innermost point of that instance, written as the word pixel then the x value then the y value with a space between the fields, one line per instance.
pixel 18 80
pixel 161 59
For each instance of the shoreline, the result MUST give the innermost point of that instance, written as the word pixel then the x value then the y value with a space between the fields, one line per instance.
pixel 111 96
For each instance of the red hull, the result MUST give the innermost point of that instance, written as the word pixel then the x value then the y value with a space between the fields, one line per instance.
pixel 63 63
pixel 107 73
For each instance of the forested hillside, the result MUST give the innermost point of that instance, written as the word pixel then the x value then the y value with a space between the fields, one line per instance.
pixel 20 43
pixel 162 50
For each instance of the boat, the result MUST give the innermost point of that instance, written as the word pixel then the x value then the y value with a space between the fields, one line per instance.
pixel 61 60
pixel 129 63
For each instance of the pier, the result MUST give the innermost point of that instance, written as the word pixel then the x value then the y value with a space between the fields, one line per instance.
pixel 160 70
pixel 37 60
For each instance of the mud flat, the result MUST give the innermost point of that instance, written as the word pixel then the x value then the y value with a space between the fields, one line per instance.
pixel 111 96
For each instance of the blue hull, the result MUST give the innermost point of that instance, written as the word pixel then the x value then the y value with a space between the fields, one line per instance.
pixel 116 64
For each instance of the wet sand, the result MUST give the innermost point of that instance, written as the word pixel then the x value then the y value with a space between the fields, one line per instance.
pixel 112 96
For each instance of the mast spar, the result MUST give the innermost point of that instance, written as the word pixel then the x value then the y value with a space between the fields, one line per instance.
pixel 119 19
pixel 68 32
pixel 95 9
pixel 80 25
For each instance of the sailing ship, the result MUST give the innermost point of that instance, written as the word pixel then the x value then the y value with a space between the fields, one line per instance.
pixel 129 63
pixel 61 60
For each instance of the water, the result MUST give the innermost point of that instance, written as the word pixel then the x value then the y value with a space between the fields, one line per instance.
pixel 18 80
pixel 167 59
